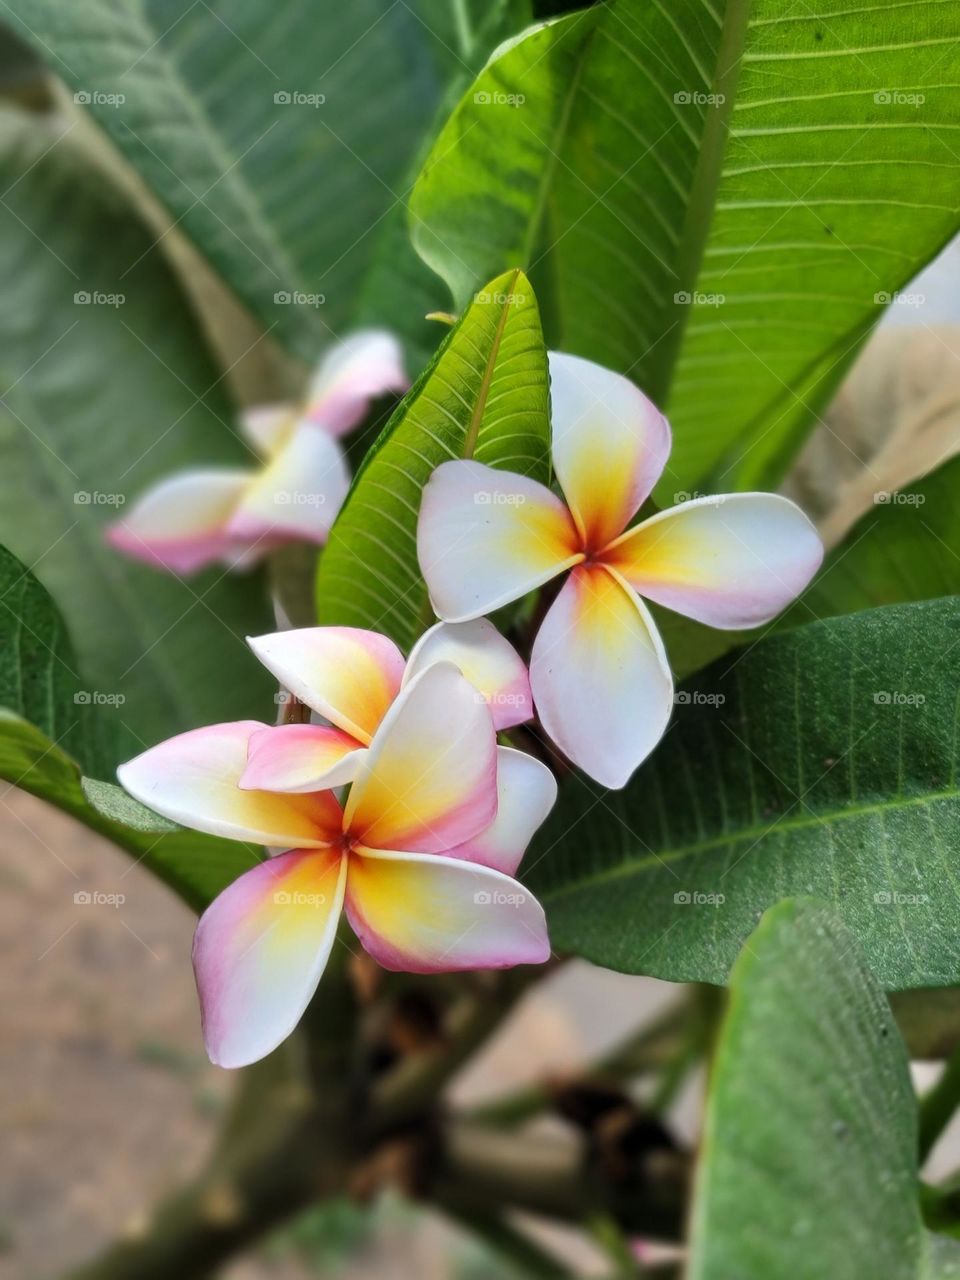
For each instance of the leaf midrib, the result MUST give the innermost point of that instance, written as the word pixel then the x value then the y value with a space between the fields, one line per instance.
pixel 628 868
pixel 704 186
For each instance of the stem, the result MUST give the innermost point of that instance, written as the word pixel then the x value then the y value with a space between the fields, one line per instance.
pixel 525 1257
pixel 414 1086
pixel 938 1105
pixel 650 1048
pixel 479 1169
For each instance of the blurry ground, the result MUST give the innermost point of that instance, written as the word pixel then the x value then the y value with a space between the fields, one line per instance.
pixel 106 1097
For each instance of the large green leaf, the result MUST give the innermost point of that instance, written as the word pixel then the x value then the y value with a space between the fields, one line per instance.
pixel 277 134
pixel 39 683
pixel 808 1167
pixel 823 761
pixel 783 167
pixel 99 400
pixel 484 396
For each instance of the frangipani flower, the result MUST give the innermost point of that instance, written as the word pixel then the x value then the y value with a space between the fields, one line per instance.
pixel 599 673
pixel 350 677
pixel 198 517
pixel 408 856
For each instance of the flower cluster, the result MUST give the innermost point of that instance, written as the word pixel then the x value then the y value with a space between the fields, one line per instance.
pixel 421 851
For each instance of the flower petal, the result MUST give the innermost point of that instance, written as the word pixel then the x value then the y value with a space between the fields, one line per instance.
pixel 429 780
pixel 181 523
pixel 260 949
pixel 526 791
pixel 486 658
pixel 193 779
pixel 486 537
pixel 298 494
pixel 347 675
pixel 731 561
pixel 610 445
pixel 419 913
pixel 600 678
pixel 300 757
pixel 267 427
pixel 367 364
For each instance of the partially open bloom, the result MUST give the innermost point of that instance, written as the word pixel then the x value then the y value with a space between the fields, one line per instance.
pixel 350 677
pixel 422 856
pixel 235 516
pixel 599 674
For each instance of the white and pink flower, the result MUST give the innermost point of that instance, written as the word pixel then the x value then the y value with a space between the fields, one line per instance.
pixel 601 682
pixel 208 515
pixel 422 856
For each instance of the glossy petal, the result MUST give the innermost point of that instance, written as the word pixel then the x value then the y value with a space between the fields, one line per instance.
pixel 526 791
pixel 429 779
pixel 193 779
pixel 181 524
pixel 299 493
pixel 731 561
pixel 367 364
pixel 419 913
pixel 610 445
pixel 486 658
pixel 267 427
pixel 486 537
pixel 346 675
pixel 601 683
pixel 300 757
pixel 260 949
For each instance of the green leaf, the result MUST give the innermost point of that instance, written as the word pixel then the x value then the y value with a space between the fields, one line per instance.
pixel 809 1161
pixel 276 135
pixel 113 802
pixel 484 396
pixel 823 761
pixel 38 679
pixel 641 155
pixel 98 401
